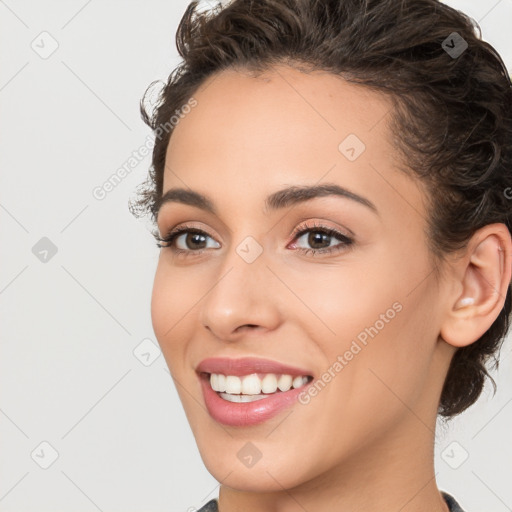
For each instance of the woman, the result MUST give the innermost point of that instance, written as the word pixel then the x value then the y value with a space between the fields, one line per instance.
pixel 329 187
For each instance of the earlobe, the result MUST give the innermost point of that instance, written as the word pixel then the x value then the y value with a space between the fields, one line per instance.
pixel 486 270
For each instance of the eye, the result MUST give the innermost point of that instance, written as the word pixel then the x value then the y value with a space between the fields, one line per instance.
pixel 191 239
pixel 194 241
pixel 320 237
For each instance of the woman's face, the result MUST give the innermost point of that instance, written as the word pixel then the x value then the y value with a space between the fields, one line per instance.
pixel 359 317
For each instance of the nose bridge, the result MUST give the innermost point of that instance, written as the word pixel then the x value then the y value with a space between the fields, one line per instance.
pixel 240 293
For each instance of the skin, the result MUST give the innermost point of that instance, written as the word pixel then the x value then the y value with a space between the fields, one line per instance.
pixel 366 441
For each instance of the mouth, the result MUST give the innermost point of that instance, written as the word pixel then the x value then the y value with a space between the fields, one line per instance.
pixel 248 391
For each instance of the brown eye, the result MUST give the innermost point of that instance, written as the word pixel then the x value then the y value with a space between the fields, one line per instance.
pixel 193 240
pixel 319 239
pixel 185 240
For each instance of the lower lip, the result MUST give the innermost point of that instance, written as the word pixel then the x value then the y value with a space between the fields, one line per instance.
pixel 238 414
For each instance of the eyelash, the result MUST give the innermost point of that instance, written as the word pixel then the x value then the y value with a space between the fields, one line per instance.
pixel 346 241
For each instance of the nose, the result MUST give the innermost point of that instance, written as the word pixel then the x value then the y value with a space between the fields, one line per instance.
pixel 243 297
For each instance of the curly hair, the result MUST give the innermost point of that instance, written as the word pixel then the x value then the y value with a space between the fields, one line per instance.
pixel 451 120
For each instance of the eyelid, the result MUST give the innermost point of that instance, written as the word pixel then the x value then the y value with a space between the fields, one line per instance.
pixel 298 230
pixel 320 225
pixel 190 225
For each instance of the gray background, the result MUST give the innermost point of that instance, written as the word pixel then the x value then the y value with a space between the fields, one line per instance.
pixel 73 373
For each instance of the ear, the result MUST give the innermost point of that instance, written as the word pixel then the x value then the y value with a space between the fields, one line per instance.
pixel 483 274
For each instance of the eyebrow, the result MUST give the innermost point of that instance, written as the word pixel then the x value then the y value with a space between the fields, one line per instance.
pixel 281 199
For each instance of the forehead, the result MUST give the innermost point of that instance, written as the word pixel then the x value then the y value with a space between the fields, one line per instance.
pixel 280 102
pixel 250 135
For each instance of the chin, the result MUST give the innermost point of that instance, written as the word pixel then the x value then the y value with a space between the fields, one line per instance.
pixel 263 476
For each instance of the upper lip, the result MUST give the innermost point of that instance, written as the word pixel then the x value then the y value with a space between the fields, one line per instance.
pixel 248 365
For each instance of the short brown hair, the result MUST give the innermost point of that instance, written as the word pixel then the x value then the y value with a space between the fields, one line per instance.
pixel 451 120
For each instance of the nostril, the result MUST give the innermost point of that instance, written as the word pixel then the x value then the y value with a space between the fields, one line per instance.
pixel 242 327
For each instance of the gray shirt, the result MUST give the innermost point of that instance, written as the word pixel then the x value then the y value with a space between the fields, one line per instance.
pixel 212 505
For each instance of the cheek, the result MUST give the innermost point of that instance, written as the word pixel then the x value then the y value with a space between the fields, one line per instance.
pixel 346 300
pixel 162 305
pixel 376 315
pixel 171 306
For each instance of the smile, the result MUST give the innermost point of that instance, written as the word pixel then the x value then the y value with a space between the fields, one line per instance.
pixel 248 391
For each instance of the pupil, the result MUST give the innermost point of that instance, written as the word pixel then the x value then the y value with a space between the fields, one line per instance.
pixel 317 237
pixel 195 237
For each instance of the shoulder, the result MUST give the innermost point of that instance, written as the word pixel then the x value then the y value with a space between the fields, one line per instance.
pixel 211 506
pixel 451 502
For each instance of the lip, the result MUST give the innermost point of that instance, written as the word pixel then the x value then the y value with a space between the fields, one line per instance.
pixel 246 366
pixel 245 414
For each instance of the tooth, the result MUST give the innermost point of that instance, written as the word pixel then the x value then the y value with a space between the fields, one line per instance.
pixel 221 382
pixel 299 381
pixel 242 398
pixel 269 383
pixel 251 385
pixel 285 382
pixel 233 384
pixel 214 382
